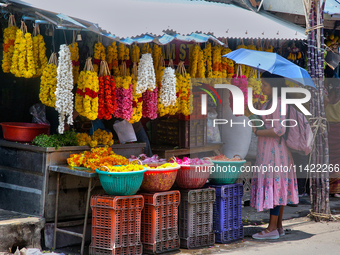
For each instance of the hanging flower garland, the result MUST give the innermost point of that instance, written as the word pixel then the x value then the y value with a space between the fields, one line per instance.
pixel 240 81
pixel 39 51
pixel 135 53
pixel 194 60
pixel 99 54
pixel 146 49
pixel 200 65
pixel 167 93
pixel 208 59
pixel 137 104
pixel 124 97
pixel 107 93
pixel 48 82
pixel 23 60
pixel 185 97
pixel 64 95
pixel 150 103
pixel 123 56
pixel 269 48
pixel 217 61
pixel 75 61
pixel 87 92
pixel 8 45
pixel 146 79
pixel 225 50
pixel 256 85
pixel 112 58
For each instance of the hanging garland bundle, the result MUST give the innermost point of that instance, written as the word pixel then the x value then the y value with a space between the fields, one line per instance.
pixel 137 104
pixel 8 45
pixel 39 51
pixel 48 82
pixel 217 61
pixel 146 49
pixel 208 59
pixel 64 95
pixel 23 60
pixel 87 92
pixel 123 52
pixel 200 65
pixel 193 61
pixel 150 103
pixel 124 97
pixel 185 97
pixel 135 53
pixel 240 81
pixel 225 63
pixel 112 58
pixel 75 61
pixel 107 93
pixel 167 93
pixel 146 79
pixel 99 54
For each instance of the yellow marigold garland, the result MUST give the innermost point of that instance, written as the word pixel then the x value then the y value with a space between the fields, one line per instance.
pixel 112 58
pixel 48 82
pixel 217 61
pixel 99 137
pixel 193 61
pixel 99 54
pixel 137 104
pixel 74 49
pixel 39 51
pixel 8 45
pixel 200 65
pixel 23 60
pixel 146 49
pixel 185 95
pixel 135 53
pixel 208 59
pixel 86 101
pixel 225 62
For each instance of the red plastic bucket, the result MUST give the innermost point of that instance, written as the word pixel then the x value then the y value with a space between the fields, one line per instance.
pixel 23 132
pixel 192 176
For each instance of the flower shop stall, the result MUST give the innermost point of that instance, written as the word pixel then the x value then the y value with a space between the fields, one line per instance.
pixel 155 79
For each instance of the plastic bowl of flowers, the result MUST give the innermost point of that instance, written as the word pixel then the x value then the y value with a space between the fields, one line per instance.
pixel 226 170
pixel 121 180
pixel 193 173
pixel 159 178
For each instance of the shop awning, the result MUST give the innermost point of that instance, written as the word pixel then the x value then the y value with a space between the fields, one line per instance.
pixel 167 20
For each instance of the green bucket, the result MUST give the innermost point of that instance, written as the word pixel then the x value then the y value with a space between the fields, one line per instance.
pixel 226 172
pixel 121 183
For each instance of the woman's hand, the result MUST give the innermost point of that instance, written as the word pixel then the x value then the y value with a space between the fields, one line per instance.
pixel 254 130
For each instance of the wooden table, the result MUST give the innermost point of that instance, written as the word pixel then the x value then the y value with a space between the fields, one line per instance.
pixel 168 151
pixel 82 173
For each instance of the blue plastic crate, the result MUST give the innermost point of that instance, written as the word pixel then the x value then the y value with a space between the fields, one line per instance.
pixel 227 212
pixel 229 236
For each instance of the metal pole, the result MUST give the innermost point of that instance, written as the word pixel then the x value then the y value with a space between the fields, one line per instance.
pixel 86 216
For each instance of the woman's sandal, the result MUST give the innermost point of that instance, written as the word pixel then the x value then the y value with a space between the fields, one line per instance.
pixel 266 234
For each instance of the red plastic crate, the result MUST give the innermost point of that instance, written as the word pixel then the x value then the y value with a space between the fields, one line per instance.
pixel 131 250
pixel 116 222
pixel 196 218
pixel 159 228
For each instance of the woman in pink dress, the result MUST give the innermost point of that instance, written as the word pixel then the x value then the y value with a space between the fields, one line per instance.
pixel 276 187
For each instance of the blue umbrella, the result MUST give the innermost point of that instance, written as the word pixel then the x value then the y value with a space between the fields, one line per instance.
pixel 273 63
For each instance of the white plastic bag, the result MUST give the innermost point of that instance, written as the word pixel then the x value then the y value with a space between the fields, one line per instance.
pixel 125 131
pixel 213 134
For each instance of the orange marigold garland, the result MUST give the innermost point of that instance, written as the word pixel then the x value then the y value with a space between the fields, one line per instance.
pixel 107 93
pixel 8 45
pixel 99 54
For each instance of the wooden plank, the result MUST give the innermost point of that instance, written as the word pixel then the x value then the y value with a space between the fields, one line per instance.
pixel 69 170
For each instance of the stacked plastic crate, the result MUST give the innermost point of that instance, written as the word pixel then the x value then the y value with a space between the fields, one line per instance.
pixel 116 225
pixel 196 218
pixel 159 228
pixel 228 225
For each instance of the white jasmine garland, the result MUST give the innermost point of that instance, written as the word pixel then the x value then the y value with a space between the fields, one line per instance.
pixel 146 78
pixel 64 95
pixel 167 93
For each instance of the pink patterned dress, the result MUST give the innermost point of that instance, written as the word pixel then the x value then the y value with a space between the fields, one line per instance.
pixel 277 185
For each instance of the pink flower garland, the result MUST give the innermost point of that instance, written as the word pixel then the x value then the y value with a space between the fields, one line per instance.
pixel 242 83
pixel 150 104
pixel 124 99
